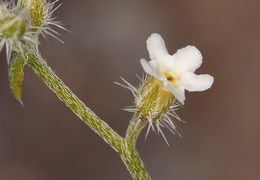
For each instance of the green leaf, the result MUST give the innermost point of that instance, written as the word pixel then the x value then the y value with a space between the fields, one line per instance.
pixel 16 76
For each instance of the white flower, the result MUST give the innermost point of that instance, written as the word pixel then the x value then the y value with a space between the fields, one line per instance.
pixel 175 71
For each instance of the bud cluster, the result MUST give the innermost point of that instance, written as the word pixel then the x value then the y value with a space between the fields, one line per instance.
pixel 20 26
pixel 22 22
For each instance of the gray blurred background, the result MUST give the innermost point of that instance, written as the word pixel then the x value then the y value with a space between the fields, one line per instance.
pixel 44 140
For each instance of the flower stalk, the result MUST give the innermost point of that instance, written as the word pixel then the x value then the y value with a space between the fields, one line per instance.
pixel 36 62
pixel 124 146
pixel 130 156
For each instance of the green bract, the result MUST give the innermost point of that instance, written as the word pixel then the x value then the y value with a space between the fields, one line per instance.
pixel 16 76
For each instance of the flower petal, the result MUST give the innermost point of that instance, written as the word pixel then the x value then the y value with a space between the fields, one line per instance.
pixel 156 46
pixel 149 68
pixel 186 59
pixel 193 82
pixel 179 92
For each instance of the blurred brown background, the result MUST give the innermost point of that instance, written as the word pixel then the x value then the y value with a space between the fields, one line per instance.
pixel 44 140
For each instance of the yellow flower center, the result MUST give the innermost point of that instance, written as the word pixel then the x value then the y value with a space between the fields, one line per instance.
pixel 171 76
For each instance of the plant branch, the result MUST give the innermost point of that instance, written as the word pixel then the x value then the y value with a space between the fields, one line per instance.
pixel 124 146
pixel 134 129
pixel 129 155
pixel 40 67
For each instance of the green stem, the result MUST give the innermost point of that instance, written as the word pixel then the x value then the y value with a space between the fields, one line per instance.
pixel 124 146
pixel 134 129
pixel 130 155
pixel 134 164
pixel 40 67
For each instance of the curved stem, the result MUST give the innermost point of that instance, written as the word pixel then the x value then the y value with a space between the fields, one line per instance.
pixel 134 129
pixel 124 146
pixel 134 164
pixel 40 67
pixel 129 155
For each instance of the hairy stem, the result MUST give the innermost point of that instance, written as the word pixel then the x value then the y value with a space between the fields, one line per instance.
pixel 130 155
pixel 134 129
pixel 124 146
pixel 133 163
pixel 40 67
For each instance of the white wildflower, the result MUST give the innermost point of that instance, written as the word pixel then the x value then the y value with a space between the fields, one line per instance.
pixel 175 71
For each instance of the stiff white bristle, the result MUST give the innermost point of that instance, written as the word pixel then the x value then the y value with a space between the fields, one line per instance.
pixel 50 21
pixel 128 86
pixel 166 122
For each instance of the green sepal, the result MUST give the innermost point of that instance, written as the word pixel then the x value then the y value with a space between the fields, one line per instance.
pixel 16 76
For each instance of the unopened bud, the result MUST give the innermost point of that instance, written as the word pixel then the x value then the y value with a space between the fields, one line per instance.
pixel 37 11
pixel 12 27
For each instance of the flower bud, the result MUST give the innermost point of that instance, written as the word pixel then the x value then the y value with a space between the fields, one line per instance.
pixel 37 11
pixel 40 12
pixel 12 27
